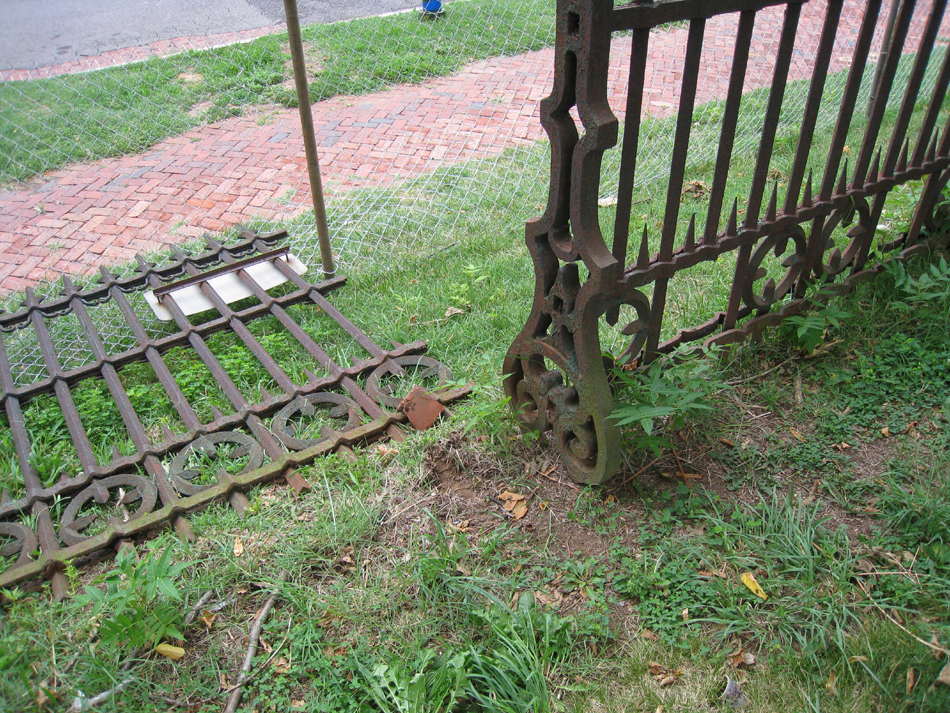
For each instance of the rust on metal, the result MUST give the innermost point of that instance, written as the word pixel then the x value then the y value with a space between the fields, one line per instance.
pixel 42 527
pixel 556 372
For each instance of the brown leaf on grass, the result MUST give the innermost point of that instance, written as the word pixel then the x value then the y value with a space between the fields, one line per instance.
pixel 238 547
pixel 648 635
pixel 519 510
pixel 727 442
pixel 281 665
pixel 909 681
pixel 207 618
pixel 304 517
pixel 223 680
pixel 452 311
pixel 885 432
pixel 832 684
pixel 797 434
pixel 175 653
pixel 748 579
pixel 551 597
pixel 910 427
pixel 741 658
pixel 663 676
pixel 944 676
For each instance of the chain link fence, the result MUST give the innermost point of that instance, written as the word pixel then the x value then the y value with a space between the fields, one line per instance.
pixel 129 130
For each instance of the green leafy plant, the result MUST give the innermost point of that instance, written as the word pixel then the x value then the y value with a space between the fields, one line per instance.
pixel 432 683
pixel 809 330
pixel 665 394
pixel 924 295
pixel 141 604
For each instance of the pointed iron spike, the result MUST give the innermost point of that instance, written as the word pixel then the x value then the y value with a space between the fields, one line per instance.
pixel 215 413
pixel 902 161
pixel 115 453
pixel 806 199
pixel 144 265
pixel 875 168
pixel 944 146
pixel 732 224
pixel 177 253
pixel 211 242
pixel 690 242
pixel 167 432
pixel 932 149
pixel 773 205
pixel 265 395
pixel 843 180
pixel 643 258
pixel 311 377
pixel 4 497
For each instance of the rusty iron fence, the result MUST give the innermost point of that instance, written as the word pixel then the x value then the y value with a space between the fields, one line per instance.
pixel 820 228
pixel 108 499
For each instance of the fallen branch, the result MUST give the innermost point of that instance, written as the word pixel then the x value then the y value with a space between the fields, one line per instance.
pixel 253 639
pixel 932 647
pixel 736 382
pixel 193 612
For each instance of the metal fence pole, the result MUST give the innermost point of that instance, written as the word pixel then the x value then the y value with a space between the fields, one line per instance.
pixel 309 138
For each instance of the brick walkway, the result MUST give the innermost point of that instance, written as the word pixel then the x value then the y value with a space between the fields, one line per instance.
pixel 74 219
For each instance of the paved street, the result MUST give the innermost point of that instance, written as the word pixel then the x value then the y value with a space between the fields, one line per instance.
pixel 45 33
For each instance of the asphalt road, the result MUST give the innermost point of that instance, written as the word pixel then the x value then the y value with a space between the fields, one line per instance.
pixel 39 33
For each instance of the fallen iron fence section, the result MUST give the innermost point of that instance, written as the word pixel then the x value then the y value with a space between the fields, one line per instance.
pixel 557 374
pixel 43 526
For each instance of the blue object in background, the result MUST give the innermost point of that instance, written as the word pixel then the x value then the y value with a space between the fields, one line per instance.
pixel 432 7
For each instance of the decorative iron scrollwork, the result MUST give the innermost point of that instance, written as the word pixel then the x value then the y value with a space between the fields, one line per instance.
pixel 230 445
pixel 142 490
pixel 24 542
pixel 424 367
pixel 835 259
pixel 339 407
pixel 777 244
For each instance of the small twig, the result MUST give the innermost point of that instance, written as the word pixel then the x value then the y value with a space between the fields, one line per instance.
pixel 642 470
pixel 253 640
pixel 799 394
pixel 932 647
pixel 193 612
pixel 498 502
pixel 84 704
pixel 409 507
pixel 736 382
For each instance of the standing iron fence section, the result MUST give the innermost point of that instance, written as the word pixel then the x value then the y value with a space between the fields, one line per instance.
pixel 42 526
pixel 557 374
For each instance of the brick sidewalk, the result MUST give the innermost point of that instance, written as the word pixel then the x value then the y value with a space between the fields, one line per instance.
pixel 74 219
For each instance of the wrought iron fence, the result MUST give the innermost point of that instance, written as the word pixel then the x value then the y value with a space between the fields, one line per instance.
pixel 812 220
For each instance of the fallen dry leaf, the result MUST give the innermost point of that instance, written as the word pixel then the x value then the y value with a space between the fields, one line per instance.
pixel 452 311
pixel 909 681
pixel 748 579
pixel 944 676
pixel 519 511
pixel 304 517
pixel 662 675
pixel 207 618
pixel 648 635
pixel 175 653
pixel 832 684
pixel 797 434
pixel 238 547
pixel 886 432
pixel 727 442
pixel 741 658
pixel 281 665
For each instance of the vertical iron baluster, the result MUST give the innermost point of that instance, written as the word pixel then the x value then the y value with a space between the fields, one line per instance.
pixel 45 532
pixel 813 104
pixel 674 192
pixel 770 124
pixel 933 111
pixel 129 417
pixel 727 138
pixel 816 242
pixel 772 114
pixel 912 90
pixel 177 397
pixel 876 117
pixel 73 422
pixel 935 181
pixel 631 139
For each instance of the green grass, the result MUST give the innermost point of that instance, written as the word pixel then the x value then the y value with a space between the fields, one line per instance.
pixel 47 123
